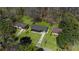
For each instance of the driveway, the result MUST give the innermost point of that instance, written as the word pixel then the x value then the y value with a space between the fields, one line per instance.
pixel 41 39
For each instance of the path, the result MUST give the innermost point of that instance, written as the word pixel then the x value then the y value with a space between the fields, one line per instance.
pixel 20 32
pixel 41 39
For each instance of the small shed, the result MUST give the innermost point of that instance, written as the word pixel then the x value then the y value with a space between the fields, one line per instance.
pixel 56 31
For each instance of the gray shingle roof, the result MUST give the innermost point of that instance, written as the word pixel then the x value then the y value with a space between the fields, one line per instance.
pixel 57 30
pixel 39 28
pixel 20 25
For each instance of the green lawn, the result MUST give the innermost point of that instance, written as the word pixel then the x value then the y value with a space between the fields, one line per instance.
pixel 17 30
pixel 50 40
pixel 34 36
pixel 43 23
pixel 27 20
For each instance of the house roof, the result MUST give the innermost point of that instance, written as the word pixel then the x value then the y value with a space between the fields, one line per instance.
pixel 57 30
pixel 20 25
pixel 39 28
pixel 51 21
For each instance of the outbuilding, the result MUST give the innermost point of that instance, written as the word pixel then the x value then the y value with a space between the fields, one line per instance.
pixel 56 31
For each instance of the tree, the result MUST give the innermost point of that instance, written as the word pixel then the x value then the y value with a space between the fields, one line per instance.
pixel 6 29
pixel 70 34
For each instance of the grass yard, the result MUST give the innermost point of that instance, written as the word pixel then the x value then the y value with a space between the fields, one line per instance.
pixel 18 30
pixel 43 23
pixel 50 40
pixel 34 36
pixel 27 20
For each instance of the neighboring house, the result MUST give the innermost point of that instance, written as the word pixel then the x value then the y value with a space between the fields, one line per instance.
pixel 51 21
pixel 20 25
pixel 56 31
pixel 38 28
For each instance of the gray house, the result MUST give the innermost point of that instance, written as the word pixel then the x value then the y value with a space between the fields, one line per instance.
pixel 38 28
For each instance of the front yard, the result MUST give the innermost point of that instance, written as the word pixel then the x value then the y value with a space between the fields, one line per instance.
pixel 49 40
pixel 34 36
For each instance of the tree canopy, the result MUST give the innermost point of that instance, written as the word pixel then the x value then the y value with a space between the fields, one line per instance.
pixel 6 28
pixel 70 34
